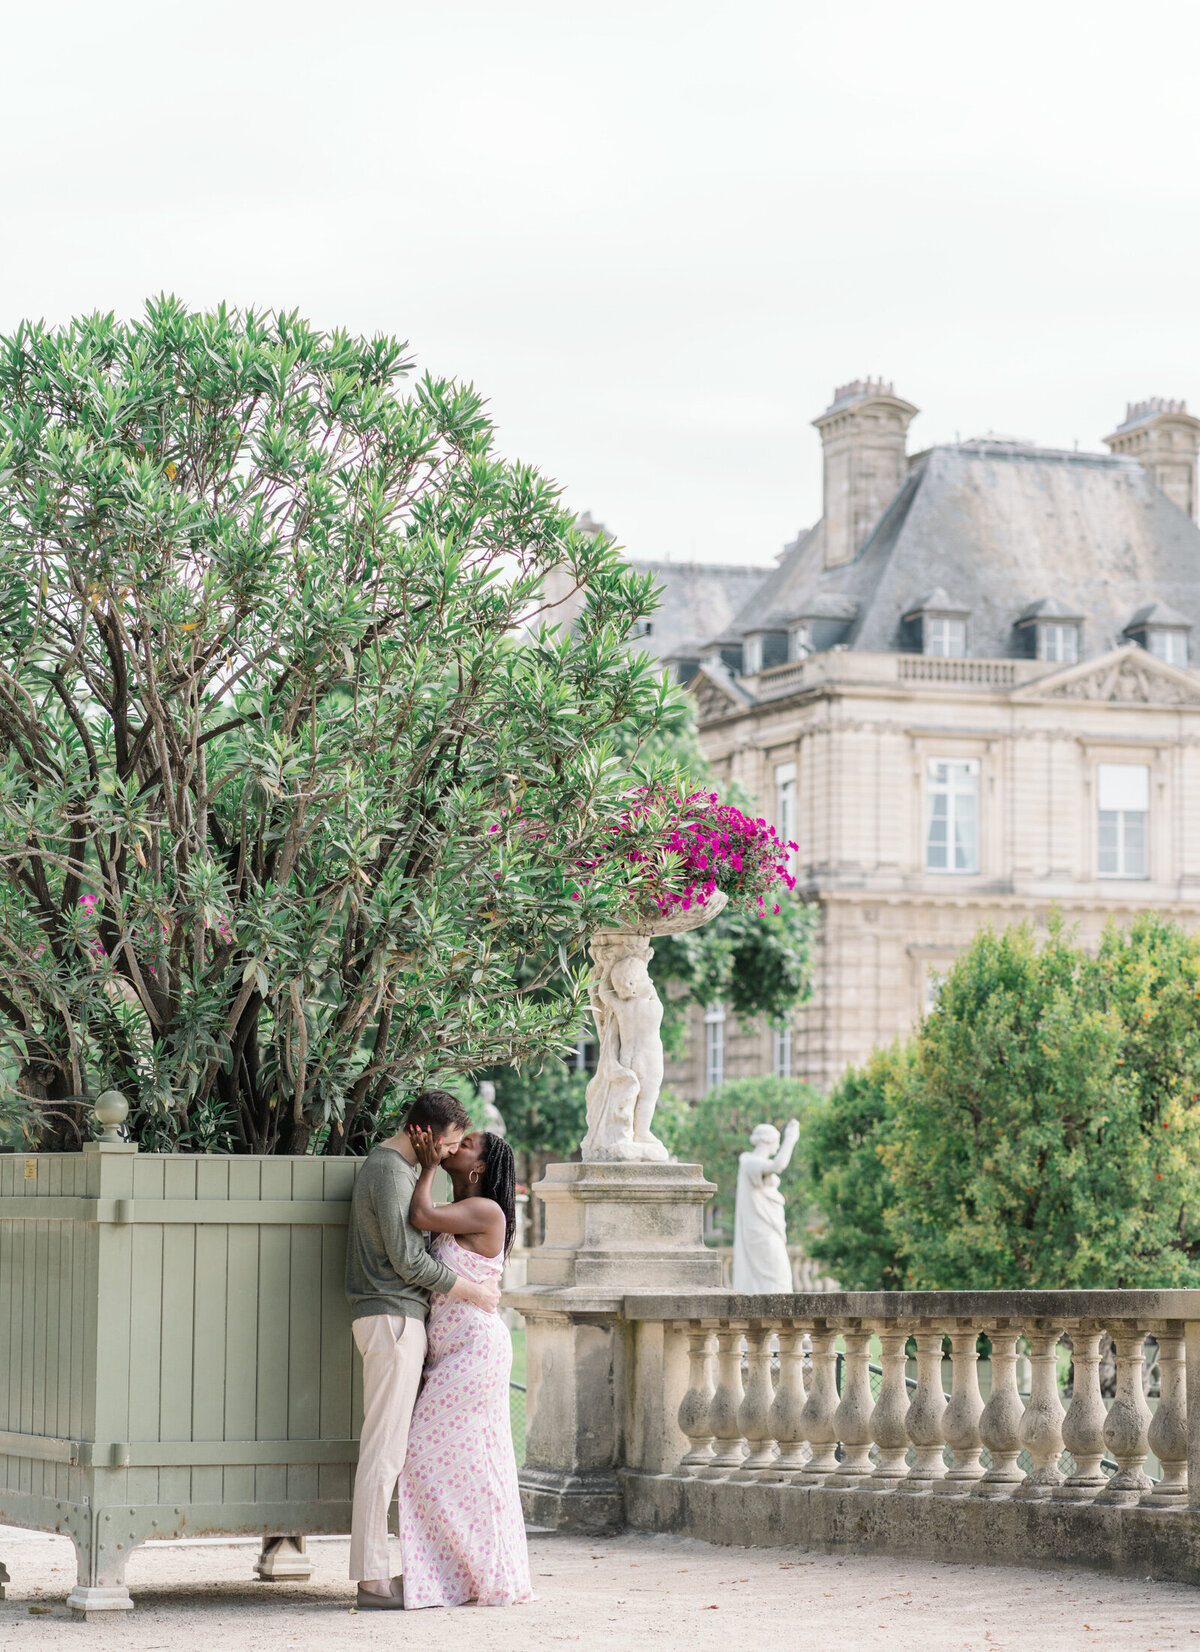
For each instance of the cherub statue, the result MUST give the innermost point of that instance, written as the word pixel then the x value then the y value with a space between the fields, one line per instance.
pixel 623 1094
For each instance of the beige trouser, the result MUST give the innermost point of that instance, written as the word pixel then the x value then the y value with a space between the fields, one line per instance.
pixel 393 1355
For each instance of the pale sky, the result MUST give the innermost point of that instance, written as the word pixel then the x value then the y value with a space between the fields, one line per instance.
pixel 654 234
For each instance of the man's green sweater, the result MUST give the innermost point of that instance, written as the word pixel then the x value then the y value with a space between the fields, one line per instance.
pixel 388 1266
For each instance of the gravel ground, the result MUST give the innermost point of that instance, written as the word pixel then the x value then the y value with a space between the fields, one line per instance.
pixel 622 1592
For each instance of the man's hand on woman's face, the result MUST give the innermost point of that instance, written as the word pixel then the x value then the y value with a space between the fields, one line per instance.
pixel 428 1151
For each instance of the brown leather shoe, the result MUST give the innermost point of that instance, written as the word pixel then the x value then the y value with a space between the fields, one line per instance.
pixel 369 1601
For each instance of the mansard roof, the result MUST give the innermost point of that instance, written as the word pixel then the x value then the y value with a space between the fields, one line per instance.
pixel 699 601
pixel 1000 524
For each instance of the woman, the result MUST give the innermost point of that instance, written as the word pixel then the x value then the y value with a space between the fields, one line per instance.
pixel 461 1530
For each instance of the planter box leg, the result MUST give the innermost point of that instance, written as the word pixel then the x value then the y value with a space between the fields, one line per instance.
pixel 110 1537
pixel 283 1557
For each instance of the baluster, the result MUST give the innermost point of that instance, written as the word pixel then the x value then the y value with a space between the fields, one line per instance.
pixel 1001 1419
pixel 788 1406
pixel 1168 1428
pixel 960 1425
pixel 726 1403
pixel 891 1409
pixel 821 1408
pixel 694 1420
pixel 1041 1426
pixel 852 1419
pixel 1083 1425
pixel 1126 1432
pixel 754 1417
pixel 926 1410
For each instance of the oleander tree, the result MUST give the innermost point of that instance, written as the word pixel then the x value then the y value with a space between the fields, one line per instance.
pixel 296 774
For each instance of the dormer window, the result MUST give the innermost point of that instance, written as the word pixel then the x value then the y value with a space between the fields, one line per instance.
pixel 1048 630
pixel 726 653
pixel 945 635
pixel 1058 642
pixel 763 649
pixel 824 622
pixel 937 626
pixel 1162 631
pixel 1166 644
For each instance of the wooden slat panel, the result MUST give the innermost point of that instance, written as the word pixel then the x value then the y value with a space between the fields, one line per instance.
pixel 178 1308
pixel 57 1237
pixel 305 1329
pixel 41 1329
pixel 338 1356
pixel 274 1312
pixel 241 1339
pixel 212 1316
pixel 146 1331
pixel 9 1388
pixel 27 1246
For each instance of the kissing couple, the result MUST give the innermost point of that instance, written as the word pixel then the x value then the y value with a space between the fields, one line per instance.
pixel 436 1361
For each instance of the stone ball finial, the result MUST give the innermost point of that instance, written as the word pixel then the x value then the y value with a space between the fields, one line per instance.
pixel 111 1110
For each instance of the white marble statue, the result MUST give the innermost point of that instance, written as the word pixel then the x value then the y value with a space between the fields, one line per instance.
pixel 491 1115
pixel 623 1092
pixel 760 1255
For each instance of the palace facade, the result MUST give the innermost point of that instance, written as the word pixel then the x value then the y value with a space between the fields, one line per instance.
pixel 969 695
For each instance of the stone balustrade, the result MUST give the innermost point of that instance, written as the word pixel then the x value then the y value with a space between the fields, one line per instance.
pixel 885 1430
pixel 750 1413
pixel 855 1421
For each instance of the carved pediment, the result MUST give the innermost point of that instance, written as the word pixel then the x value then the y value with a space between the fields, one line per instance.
pixel 1127 676
pixel 716 694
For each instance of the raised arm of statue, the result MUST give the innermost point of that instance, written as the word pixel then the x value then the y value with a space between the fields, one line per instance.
pixel 787 1147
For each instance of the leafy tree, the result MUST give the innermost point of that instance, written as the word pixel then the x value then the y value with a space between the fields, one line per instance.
pixel 757 964
pixel 282 802
pixel 1041 1130
pixel 542 1107
pixel 845 1139
pixel 717 1129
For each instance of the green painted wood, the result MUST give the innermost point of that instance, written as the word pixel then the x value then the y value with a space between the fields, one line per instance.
pixel 274 1319
pixel 305 1330
pixel 174 1337
pixel 211 1322
pixel 241 1338
pixel 338 1358
pixel 145 1333
pixel 178 1310
pixel 188 1212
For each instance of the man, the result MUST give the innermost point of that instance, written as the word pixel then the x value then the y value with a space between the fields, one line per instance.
pixel 389 1277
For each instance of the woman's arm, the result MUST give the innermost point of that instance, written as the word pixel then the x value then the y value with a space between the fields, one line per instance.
pixel 482 1218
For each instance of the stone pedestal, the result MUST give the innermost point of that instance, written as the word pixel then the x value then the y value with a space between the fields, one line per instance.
pixel 610 1229
pixel 635 1227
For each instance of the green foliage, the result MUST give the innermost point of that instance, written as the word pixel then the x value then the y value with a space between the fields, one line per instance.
pixel 542 1106
pixel 717 1129
pixel 260 709
pixel 844 1140
pixel 758 964
pixel 1043 1128
pixel 755 963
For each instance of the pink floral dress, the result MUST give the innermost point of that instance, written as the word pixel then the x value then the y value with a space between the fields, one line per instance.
pixel 461 1530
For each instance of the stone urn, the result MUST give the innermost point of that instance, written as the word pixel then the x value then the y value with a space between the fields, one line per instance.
pixel 624 1091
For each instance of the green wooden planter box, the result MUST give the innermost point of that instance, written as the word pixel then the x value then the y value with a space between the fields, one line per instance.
pixel 175 1354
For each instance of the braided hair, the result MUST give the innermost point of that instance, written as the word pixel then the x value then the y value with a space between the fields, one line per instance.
pixel 500 1182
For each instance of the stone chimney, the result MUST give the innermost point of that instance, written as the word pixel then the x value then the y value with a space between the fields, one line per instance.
pixel 863 432
pixel 1165 439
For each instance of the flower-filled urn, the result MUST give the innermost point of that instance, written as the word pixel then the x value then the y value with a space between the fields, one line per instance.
pixel 689 859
